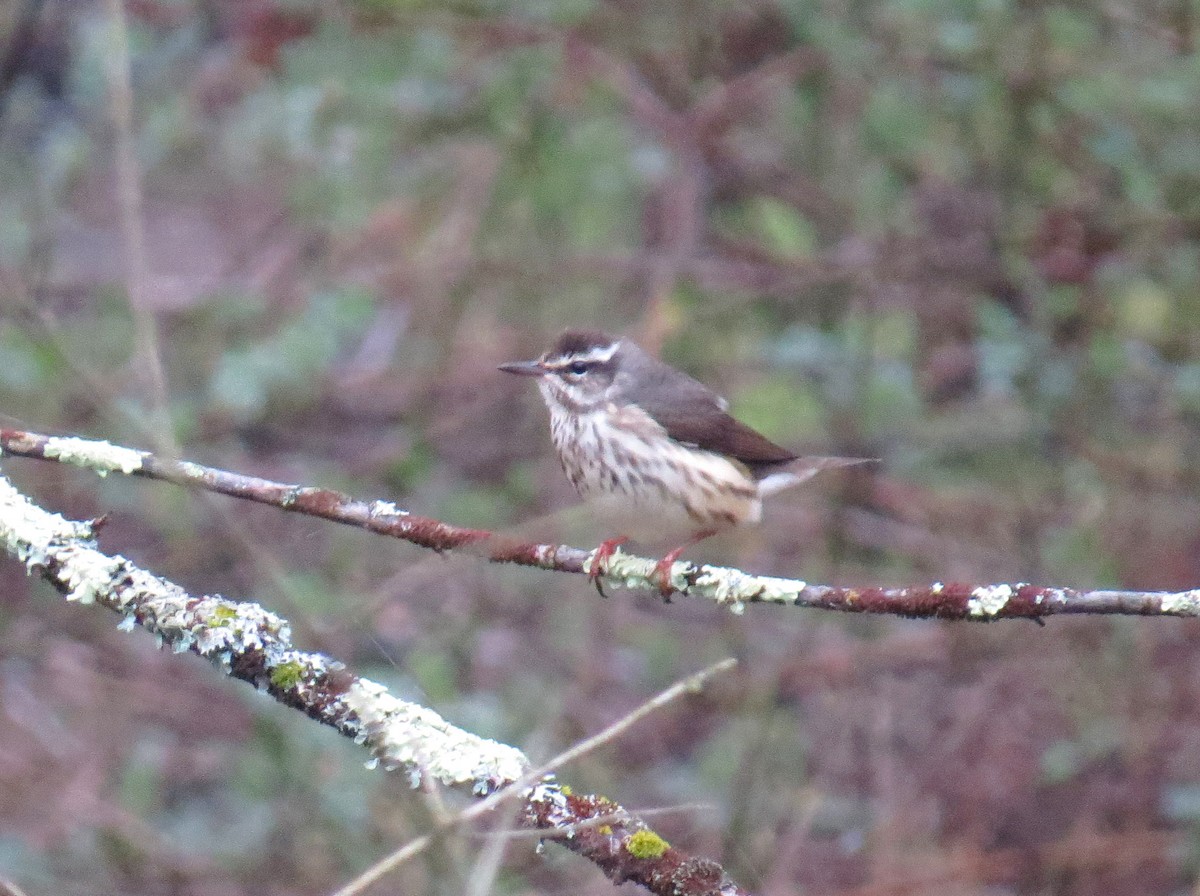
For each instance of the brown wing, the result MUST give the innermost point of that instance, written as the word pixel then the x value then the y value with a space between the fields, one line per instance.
pixel 726 435
pixel 694 414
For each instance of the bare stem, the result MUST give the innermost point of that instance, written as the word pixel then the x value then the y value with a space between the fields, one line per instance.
pixel 690 685
pixel 133 235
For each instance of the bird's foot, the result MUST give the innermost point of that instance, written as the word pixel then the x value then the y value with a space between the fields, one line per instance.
pixel 662 569
pixel 600 558
pixel 661 577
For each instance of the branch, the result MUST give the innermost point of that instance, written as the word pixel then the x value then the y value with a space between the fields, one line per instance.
pixel 249 643
pixel 547 800
pixel 939 600
pixel 132 220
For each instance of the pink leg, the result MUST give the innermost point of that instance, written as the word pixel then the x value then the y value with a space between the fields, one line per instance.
pixel 600 560
pixel 662 569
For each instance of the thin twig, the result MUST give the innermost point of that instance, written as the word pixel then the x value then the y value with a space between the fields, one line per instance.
pixel 8 888
pixel 133 233
pixel 691 684
pixel 733 587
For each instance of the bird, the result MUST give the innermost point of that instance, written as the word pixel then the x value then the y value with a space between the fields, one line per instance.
pixel 654 449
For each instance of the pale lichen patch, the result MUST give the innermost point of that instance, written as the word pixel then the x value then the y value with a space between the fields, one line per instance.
pixel 625 570
pixel 386 509
pixel 732 586
pixel 89 574
pixel 192 470
pixel 26 530
pixel 988 600
pixel 549 794
pixel 719 584
pixel 1183 603
pixel 103 457
pixel 417 739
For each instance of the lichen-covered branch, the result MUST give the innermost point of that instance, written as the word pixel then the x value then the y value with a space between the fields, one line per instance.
pixel 733 587
pixel 252 644
pixel 247 642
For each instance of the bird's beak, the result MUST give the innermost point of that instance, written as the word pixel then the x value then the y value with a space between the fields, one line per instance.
pixel 524 368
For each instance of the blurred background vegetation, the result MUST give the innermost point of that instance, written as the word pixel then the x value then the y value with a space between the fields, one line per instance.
pixel 958 236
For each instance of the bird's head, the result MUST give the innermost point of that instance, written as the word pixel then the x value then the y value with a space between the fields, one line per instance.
pixel 577 374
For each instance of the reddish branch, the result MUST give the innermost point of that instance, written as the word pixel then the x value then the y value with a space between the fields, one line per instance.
pixel 606 843
pixel 938 600
pixel 375 516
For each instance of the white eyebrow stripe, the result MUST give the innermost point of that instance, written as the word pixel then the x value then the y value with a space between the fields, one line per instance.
pixel 597 354
pixel 601 353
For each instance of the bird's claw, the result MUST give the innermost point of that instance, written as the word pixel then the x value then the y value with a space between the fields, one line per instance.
pixel 600 558
pixel 662 574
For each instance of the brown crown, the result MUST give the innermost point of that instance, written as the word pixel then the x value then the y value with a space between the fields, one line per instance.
pixel 574 342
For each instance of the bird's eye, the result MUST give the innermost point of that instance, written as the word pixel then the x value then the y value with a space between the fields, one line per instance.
pixel 579 368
